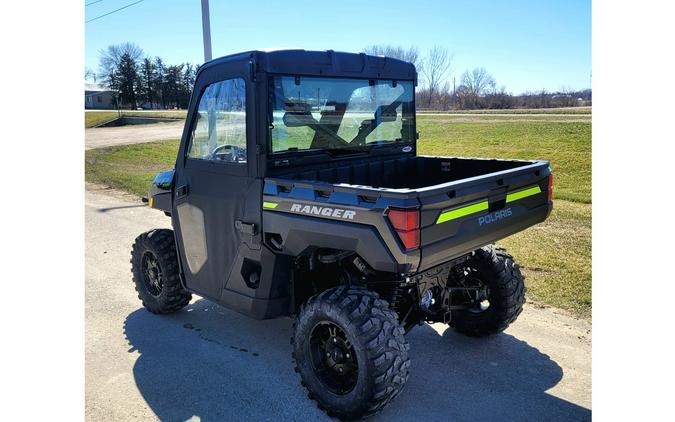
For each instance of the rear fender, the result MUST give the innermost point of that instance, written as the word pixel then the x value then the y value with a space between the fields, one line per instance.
pixel 298 233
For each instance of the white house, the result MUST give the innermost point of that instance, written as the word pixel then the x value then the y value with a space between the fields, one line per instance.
pixel 98 97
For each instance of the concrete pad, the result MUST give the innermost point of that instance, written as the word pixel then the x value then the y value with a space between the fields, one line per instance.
pixel 211 364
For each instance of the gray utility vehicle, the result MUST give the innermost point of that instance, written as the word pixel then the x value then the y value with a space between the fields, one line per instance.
pixel 298 191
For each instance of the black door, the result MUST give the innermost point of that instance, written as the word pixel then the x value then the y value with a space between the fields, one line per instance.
pixel 216 197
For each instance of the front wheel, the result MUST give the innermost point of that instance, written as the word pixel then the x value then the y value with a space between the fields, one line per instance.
pixel 154 266
pixel 350 352
pixel 501 293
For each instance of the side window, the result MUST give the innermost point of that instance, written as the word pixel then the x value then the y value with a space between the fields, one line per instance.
pixel 220 130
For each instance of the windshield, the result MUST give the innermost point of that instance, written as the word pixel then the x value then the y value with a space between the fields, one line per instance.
pixel 340 115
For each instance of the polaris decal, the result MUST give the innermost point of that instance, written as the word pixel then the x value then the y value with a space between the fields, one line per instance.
pixel 495 216
pixel 323 211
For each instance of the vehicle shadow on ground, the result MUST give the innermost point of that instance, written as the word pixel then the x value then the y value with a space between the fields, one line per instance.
pixel 103 210
pixel 215 364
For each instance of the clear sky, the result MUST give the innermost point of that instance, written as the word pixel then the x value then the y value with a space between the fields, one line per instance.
pixel 524 44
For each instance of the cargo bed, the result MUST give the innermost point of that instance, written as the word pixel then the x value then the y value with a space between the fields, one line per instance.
pixel 464 203
pixel 401 173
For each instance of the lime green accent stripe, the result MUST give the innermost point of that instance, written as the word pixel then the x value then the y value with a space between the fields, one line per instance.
pixel 522 194
pixel 270 205
pixel 461 212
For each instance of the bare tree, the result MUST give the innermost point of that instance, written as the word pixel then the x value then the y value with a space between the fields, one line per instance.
pixel 475 88
pixel 436 68
pixel 478 82
pixel 89 75
pixel 498 98
pixel 409 55
pixel 109 59
pixel 545 98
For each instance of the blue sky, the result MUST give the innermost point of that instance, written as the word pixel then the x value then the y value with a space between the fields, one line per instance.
pixel 525 45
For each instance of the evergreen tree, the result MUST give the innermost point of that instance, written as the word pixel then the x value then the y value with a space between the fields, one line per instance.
pixel 110 58
pixel 188 83
pixel 173 85
pixel 147 82
pixel 127 75
pixel 159 81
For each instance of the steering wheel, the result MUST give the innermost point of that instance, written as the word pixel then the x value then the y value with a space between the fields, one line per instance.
pixel 236 153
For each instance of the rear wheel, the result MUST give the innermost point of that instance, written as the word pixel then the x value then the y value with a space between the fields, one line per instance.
pixel 500 295
pixel 350 352
pixel 154 266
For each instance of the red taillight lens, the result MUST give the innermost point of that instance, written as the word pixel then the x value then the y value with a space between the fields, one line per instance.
pixel 406 223
pixel 404 218
pixel 550 187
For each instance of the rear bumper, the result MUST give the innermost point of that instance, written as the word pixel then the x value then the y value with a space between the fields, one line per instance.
pixel 471 236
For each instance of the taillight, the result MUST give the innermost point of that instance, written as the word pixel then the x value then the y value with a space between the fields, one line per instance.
pixel 406 223
pixel 550 187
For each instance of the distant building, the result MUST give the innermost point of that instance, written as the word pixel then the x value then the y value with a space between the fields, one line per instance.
pixel 98 97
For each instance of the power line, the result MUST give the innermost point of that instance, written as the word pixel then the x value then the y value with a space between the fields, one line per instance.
pixel 116 10
pixel 93 2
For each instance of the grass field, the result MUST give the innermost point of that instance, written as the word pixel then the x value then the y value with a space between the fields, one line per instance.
pixel 560 110
pixel 95 118
pixel 566 144
pixel 555 255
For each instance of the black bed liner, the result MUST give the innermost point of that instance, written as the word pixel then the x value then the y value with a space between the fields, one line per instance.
pixel 411 172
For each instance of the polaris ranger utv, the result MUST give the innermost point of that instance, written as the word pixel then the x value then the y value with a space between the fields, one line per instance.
pixel 298 191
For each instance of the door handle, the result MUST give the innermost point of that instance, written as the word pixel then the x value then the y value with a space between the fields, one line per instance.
pixel 181 191
pixel 248 234
pixel 245 228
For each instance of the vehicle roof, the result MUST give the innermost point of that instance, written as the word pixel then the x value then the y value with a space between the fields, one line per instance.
pixel 328 63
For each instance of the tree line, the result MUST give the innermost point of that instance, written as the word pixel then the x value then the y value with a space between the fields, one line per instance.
pixel 143 81
pixel 475 88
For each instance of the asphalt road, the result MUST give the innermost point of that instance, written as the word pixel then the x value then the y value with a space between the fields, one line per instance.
pixel 211 364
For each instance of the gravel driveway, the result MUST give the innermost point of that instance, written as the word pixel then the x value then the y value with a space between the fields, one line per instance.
pixel 98 137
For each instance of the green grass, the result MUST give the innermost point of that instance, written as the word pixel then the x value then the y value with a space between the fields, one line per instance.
pixel 94 118
pixel 557 110
pixel 567 145
pixel 491 118
pixel 555 256
pixel 130 167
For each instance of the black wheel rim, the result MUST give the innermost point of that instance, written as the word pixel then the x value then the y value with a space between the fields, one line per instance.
pixel 152 273
pixel 333 358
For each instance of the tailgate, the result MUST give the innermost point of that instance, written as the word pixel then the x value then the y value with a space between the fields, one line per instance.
pixel 462 216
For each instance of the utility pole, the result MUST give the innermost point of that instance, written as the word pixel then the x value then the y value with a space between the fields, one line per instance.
pixel 454 92
pixel 210 102
pixel 206 30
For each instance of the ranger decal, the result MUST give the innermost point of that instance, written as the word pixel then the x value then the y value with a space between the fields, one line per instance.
pixel 323 211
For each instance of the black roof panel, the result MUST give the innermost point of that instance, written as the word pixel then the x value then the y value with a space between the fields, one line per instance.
pixel 328 63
